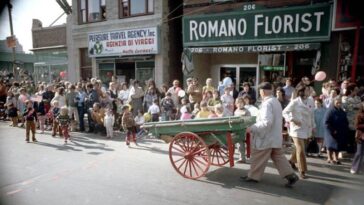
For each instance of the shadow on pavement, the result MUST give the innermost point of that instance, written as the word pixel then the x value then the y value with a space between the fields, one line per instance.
pixel 150 149
pixel 271 184
pixel 58 147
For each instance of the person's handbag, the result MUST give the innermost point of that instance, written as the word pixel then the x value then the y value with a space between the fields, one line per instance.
pixel 312 146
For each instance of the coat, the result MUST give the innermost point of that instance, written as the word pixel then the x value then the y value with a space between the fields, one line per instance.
pixel 302 112
pixel 319 115
pixel 267 131
pixel 337 126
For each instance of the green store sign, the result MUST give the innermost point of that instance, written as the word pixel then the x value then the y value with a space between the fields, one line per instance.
pixel 282 25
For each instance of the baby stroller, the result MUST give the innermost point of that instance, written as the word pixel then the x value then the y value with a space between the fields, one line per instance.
pixel 2 111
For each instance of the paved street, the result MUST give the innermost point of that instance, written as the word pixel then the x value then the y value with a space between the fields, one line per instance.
pixel 93 170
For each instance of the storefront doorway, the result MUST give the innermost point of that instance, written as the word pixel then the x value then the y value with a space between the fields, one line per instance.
pixel 241 73
pixel 125 71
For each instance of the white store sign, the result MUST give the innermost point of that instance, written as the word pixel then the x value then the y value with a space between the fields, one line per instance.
pixel 123 43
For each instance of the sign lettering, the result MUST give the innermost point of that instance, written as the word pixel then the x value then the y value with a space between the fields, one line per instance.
pixel 126 42
pixel 283 25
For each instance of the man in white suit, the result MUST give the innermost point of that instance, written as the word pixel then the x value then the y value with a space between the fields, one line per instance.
pixel 267 139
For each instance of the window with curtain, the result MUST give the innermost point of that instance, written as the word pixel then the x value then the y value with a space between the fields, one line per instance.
pixel 129 8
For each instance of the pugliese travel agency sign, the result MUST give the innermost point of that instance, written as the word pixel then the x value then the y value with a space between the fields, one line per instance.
pixel 282 25
pixel 124 42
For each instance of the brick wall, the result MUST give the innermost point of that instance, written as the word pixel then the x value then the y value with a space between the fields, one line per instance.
pixel 49 36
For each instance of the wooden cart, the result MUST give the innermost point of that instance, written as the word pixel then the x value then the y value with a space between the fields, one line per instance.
pixel 199 143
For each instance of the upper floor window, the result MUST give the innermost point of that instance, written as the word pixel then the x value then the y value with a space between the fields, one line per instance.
pixel 92 11
pixel 136 7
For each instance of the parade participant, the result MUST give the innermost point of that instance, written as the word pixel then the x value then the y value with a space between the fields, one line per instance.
pixel 139 121
pixel 136 97
pixel 174 90
pixel 358 161
pixel 80 101
pixel 48 94
pixel 247 90
pixel 30 117
pixel 227 102
pixel 301 123
pixel 267 139
pixel 12 112
pixel 167 107
pixel 281 96
pixel 154 111
pixel 92 97
pixel 319 114
pixel 71 102
pixel 214 100
pixel 207 87
pixel 124 93
pixel 195 93
pixel 351 105
pixel 337 126
pixel 41 114
pixel 54 114
pixel 97 115
pixel 109 123
pixel 60 97
pixel 149 97
pixel 204 112
pixel 128 125
pixel 328 102
pixel 21 103
pixel 64 121
pixel 288 89
pixel 186 115
pixel 241 111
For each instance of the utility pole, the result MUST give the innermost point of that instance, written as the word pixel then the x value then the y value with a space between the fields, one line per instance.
pixel 13 37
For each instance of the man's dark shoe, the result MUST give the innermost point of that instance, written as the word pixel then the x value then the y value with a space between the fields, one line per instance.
pixel 292 179
pixel 247 179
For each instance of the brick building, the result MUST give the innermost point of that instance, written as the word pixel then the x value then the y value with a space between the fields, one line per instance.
pixel 50 51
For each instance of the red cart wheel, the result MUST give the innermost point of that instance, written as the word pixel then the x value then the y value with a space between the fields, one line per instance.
pixel 189 155
pixel 219 154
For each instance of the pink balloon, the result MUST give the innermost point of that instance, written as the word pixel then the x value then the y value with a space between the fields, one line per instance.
pixel 62 74
pixel 320 76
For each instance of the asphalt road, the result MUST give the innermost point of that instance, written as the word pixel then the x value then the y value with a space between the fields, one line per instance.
pixel 93 170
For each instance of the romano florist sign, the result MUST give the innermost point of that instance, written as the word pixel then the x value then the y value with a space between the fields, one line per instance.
pixel 124 42
pixel 267 26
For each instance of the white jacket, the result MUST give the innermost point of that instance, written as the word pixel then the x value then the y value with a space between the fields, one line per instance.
pixel 302 112
pixel 267 131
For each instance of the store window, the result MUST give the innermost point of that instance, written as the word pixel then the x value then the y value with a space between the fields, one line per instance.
pixel 86 64
pixel 106 71
pixel 129 8
pixel 92 11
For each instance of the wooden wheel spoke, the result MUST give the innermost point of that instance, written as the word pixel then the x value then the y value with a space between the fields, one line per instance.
pixel 181 146
pixel 194 168
pixel 181 164
pixel 198 166
pixel 178 159
pixel 175 148
pixel 201 162
pixel 186 165
pixel 189 155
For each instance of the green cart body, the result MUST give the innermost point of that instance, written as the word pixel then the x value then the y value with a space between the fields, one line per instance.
pixel 198 143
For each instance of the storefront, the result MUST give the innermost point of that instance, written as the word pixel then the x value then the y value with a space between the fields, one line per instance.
pixel 256 45
pixel 126 54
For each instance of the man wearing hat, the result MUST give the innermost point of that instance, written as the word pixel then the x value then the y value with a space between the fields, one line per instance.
pixel 267 139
